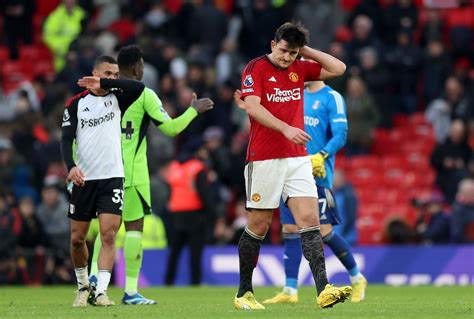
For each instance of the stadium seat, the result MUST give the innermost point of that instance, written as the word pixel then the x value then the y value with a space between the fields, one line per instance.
pixel 35 52
pixel 342 162
pixel 370 235
pixel 44 7
pixel 395 161
pixel 369 162
pixel 417 118
pixel 361 177
pixel 44 68
pixel 4 54
pixel 419 178
pixel 417 146
pixel 15 72
pixel 375 210
pixel 400 120
pixel 382 144
pixel 417 160
pixel 394 177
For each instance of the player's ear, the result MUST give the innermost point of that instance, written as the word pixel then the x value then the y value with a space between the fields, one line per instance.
pixel 273 44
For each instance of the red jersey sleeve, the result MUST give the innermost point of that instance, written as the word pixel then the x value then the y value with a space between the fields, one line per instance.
pixel 312 70
pixel 251 79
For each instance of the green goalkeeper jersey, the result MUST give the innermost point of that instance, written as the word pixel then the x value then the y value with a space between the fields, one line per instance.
pixel 135 121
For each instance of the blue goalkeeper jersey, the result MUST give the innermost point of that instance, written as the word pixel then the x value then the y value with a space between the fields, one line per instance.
pixel 325 120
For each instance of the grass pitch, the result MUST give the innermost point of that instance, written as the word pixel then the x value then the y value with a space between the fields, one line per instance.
pixel 216 302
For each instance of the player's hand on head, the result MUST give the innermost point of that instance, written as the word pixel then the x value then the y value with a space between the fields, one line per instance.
pixel 76 176
pixel 202 105
pixel 296 135
pixel 89 82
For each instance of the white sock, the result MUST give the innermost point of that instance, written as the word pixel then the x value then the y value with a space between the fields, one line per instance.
pixel 103 280
pixel 290 291
pixel 356 278
pixel 82 277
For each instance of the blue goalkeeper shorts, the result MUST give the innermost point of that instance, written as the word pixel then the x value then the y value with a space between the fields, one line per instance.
pixel 328 213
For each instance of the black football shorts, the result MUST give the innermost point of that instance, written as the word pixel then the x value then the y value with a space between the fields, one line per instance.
pixel 96 197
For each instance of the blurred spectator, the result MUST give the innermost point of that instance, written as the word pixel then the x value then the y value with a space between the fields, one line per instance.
pixel 318 17
pixel 156 18
pixel 404 63
pixel 221 115
pixel 432 30
pixel 229 63
pixel 124 27
pixel 377 78
pixel 9 161
pixel 58 35
pixel 432 224
pixel 32 243
pixel 363 116
pixel 346 202
pixel 362 37
pixel 398 232
pixel 453 104
pixel 259 22
pixel 17 23
pixel 219 153
pixel 437 66
pixel 338 83
pixel 463 212
pixel 107 12
pixel 402 14
pixel 32 235
pixel 189 206
pixel 450 160
pixel 10 226
pixel 371 9
pixel 208 27
pixel 196 78
pixel 71 72
pixel 240 221
pixel 51 215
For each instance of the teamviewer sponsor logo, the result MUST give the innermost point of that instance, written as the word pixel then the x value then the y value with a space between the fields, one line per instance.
pixel 284 95
pixel 98 121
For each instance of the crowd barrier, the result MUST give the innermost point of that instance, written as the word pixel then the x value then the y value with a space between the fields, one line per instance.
pixel 391 265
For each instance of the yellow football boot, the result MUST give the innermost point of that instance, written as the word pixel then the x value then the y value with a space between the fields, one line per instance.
pixel 247 301
pixel 358 290
pixel 282 298
pixel 332 295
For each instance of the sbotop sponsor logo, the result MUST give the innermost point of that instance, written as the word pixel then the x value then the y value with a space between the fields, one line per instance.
pixel 311 121
pixel 98 121
pixel 284 95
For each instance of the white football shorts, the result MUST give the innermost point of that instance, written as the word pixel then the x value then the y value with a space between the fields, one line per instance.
pixel 266 181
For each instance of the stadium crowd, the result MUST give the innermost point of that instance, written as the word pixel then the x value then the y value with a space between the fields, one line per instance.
pixel 410 62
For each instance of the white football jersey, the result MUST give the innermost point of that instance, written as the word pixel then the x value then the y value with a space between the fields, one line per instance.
pixel 96 121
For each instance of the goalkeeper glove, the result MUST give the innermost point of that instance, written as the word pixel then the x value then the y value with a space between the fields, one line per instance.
pixel 317 162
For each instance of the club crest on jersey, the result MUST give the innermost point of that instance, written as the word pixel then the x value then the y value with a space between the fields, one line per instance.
pixel 316 105
pixel 108 103
pixel 293 77
pixel 248 81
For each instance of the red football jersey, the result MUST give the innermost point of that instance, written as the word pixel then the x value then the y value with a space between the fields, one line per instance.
pixel 281 93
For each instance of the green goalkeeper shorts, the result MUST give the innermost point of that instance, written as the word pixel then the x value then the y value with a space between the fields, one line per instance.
pixel 136 202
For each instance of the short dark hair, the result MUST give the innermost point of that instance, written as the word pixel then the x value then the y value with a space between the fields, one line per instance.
pixel 129 56
pixel 295 34
pixel 104 59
